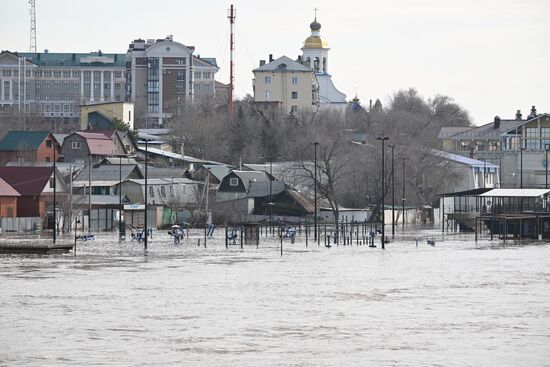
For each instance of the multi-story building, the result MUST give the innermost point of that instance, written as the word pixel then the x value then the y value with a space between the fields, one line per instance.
pixel 285 83
pixel 160 79
pixel 519 147
pixel 53 85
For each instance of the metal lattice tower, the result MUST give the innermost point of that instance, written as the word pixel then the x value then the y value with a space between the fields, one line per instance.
pixel 231 15
pixel 32 40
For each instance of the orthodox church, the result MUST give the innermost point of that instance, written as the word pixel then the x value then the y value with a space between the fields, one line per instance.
pixel 315 55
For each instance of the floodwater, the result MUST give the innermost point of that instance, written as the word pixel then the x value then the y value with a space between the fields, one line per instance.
pixel 456 304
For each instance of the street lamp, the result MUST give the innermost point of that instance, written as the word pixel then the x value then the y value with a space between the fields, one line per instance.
pixel 315 144
pixel 403 159
pixel 54 195
pixel 392 193
pixel 383 139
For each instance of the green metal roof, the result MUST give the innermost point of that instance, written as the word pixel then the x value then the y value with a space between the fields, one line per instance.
pixel 74 59
pixel 23 140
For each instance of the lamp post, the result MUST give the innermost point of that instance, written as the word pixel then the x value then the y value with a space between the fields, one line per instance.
pixel 403 159
pixel 383 139
pixel 270 189
pixel 54 195
pixel 76 222
pixel 392 146
pixel 546 148
pixel 146 154
pixel 315 144
pixel 120 223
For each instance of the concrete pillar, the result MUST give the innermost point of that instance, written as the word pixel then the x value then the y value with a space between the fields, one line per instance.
pixel 91 85
pixel 82 84
pixel 112 85
pixel 161 80
pixel 101 84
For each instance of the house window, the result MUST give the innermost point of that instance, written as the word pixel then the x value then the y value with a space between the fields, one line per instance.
pixel 294 95
pixel 206 75
pixel 66 73
pixel 197 74
pixel 267 80
pixel 233 181
pixel 162 191
pixel 293 109
pixel 47 159
pixel 48 143
pixel 47 73
pixel 76 145
pixel 10 212
pixel 151 191
pixel 57 73
pixel 51 183
pixel 294 80
pixel 267 94
pixel 118 74
pixel 180 61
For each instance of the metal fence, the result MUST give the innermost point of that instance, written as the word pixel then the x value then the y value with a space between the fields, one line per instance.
pixel 23 224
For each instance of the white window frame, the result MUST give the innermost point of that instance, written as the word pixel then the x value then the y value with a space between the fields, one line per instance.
pixel 76 145
pixel 233 181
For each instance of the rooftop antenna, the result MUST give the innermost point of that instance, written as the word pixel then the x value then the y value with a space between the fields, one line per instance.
pixel 231 15
pixel 32 40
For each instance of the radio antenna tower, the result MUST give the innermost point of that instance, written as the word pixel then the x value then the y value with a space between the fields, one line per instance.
pixel 231 15
pixel 32 12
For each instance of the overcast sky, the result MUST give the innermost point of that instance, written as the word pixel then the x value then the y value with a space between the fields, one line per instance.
pixel 492 57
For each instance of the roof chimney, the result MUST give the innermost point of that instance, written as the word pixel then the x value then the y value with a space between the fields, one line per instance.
pixel 270 57
pixel 533 111
pixel 300 59
pixel 518 115
pixel 262 63
pixel 496 123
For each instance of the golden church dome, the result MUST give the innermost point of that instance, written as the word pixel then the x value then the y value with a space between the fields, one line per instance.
pixel 315 42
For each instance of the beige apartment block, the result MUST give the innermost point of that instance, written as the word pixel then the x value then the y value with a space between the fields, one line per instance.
pixel 286 83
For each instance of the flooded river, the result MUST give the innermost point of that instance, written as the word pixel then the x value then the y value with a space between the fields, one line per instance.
pixel 456 304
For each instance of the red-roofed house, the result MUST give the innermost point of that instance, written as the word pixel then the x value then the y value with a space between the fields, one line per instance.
pixel 8 200
pixel 35 187
pixel 80 147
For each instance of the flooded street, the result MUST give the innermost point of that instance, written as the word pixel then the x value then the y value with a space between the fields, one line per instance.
pixel 456 304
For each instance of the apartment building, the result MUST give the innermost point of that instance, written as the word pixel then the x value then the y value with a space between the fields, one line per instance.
pixel 53 85
pixel 162 76
pixel 285 83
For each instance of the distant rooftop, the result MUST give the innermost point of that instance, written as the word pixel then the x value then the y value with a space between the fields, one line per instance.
pixel 92 59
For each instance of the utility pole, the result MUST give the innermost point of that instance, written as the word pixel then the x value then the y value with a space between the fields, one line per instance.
pixel 383 240
pixel 403 159
pixel 54 196
pixel 315 144
pixel 231 15
pixel 392 193
pixel 89 193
